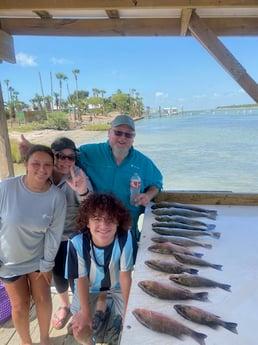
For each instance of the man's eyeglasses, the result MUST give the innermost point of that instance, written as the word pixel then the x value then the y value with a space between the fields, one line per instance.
pixel 126 134
pixel 62 156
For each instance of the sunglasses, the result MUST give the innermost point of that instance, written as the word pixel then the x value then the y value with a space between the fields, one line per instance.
pixel 126 134
pixel 62 156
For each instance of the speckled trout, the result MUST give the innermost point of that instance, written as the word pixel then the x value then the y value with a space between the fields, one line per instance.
pixel 197 281
pixel 191 260
pixel 183 212
pixel 164 204
pixel 201 316
pixel 185 220
pixel 161 323
pixel 181 241
pixel 185 232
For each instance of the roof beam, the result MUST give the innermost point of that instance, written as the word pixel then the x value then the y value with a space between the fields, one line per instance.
pixel 122 4
pixel 223 56
pixel 185 18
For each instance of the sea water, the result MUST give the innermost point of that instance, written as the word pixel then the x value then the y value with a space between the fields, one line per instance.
pixel 208 151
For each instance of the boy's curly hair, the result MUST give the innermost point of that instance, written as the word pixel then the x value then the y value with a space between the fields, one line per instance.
pixel 99 204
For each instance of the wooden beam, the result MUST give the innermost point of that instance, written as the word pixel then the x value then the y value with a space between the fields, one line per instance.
pixel 6 163
pixel 209 198
pixel 216 48
pixel 6 47
pixel 185 18
pixel 119 4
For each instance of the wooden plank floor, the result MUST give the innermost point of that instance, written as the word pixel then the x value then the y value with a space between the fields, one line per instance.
pixel 108 335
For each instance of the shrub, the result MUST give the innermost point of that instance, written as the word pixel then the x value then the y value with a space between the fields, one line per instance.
pixel 58 120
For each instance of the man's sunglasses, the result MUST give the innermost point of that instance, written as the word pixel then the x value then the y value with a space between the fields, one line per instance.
pixel 62 156
pixel 126 134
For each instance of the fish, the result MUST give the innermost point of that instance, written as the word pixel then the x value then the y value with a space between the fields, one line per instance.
pixel 185 220
pixel 197 281
pixel 161 323
pixel 191 260
pixel 183 212
pixel 181 241
pixel 168 204
pixel 169 266
pixel 167 291
pixel 171 248
pixel 185 232
pixel 168 224
pixel 201 316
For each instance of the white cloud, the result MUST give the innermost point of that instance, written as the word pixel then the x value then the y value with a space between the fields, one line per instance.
pixel 161 94
pixel 60 61
pixel 25 60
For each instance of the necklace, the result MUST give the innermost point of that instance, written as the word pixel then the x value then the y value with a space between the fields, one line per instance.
pixel 107 250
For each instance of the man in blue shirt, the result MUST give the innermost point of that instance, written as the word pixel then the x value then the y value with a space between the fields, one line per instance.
pixel 111 165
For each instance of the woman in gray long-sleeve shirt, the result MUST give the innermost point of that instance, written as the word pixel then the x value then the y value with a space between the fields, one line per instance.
pixel 32 214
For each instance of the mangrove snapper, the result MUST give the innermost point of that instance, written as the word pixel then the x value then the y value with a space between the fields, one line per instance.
pixel 197 281
pixel 181 241
pixel 198 315
pixel 169 267
pixel 167 291
pixel 191 260
pixel 163 324
pixel 171 248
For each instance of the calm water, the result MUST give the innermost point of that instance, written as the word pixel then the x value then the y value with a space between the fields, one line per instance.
pixel 203 151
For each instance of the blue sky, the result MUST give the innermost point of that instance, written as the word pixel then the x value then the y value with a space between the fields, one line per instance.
pixel 176 72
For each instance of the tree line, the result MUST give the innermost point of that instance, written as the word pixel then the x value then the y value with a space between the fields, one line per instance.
pixel 79 102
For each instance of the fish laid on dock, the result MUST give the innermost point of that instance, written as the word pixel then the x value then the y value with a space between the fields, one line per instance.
pixel 201 316
pixel 191 260
pixel 185 220
pixel 167 291
pixel 161 323
pixel 171 248
pixel 185 232
pixel 197 281
pixel 183 212
pixel 181 241
pixel 164 204
pixel 169 267
pixel 179 225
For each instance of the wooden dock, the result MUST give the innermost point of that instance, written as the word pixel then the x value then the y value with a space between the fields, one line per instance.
pixel 108 335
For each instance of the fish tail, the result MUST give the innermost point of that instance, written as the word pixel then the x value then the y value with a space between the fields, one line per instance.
pixel 199 337
pixel 202 296
pixel 231 326
pixel 192 271
pixel 198 255
pixel 211 226
pixel 217 267
pixel 215 234
pixel 211 215
pixel 226 287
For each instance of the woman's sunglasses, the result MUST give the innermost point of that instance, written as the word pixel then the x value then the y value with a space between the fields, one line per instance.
pixel 62 156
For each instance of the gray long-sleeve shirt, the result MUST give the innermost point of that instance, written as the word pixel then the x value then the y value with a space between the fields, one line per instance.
pixel 31 227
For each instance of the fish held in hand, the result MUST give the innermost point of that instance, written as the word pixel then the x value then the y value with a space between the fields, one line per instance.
pixel 169 267
pixel 161 323
pixel 181 241
pixel 171 248
pixel 197 281
pixel 167 291
pixel 191 260
pixel 201 316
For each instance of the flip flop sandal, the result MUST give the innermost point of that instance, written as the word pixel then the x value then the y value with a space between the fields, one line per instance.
pixel 99 319
pixel 61 321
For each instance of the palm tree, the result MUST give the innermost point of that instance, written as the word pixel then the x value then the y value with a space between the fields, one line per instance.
pixel 60 76
pixel 75 72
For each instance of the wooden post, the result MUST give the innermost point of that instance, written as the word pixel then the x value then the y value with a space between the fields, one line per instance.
pixel 6 164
